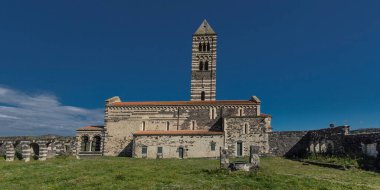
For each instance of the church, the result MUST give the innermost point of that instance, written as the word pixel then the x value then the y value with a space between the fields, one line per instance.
pixel 198 128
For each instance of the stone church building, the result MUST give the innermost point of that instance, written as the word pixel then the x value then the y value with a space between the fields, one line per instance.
pixel 181 129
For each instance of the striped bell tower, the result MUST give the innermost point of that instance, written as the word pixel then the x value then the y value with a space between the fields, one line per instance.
pixel 203 64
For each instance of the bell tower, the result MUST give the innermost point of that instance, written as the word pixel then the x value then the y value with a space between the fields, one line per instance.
pixel 203 64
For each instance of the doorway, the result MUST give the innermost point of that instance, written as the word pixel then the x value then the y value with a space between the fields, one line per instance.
pixel 180 152
pixel 239 149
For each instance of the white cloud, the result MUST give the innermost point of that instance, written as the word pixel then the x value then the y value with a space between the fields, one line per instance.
pixel 30 114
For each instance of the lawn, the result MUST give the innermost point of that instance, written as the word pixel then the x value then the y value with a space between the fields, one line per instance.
pixel 129 173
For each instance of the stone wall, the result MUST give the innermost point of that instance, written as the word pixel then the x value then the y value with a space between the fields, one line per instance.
pixel 193 146
pixel 249 131
pixel 363 144
pixel 122 122
pixel 287 143
pixel 335 141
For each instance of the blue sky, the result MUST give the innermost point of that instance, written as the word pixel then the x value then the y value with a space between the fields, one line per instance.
pixel 310 62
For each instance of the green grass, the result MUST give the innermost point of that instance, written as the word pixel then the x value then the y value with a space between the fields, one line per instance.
pixel 344 161
pixel 129 173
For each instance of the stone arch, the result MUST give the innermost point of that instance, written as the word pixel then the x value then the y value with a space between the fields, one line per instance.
pixel 330 148
pixel 316 147
pixel 17 150
pixel 96 143
pixel 85 143
pixel 51 149
pixel 35 150
pixel 311 148
pixel 323 146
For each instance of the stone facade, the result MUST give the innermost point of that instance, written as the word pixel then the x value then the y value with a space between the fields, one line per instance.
pixel 131 128
pixel 177 145
pixel 242 132
pixel 89 141
pixel 124 120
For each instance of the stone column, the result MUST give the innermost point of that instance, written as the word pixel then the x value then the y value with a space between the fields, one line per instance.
pixel 25 147
pixel 43 150
pixel 9 151
pixel 90 141
pixel 77 146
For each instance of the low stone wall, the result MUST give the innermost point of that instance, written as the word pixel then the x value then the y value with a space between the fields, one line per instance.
pixel 287 143
pixel 334 141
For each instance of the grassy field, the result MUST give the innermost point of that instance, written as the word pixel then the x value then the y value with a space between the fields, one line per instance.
pixel 128 173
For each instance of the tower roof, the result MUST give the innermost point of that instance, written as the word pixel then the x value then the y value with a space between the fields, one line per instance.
pixel 204 28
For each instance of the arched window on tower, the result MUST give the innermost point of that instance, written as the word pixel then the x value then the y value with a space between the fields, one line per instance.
pixel 201 65
pixel 208 46
pixel 206 65
pixel 200 46
pixel 204 47
pixel 203 95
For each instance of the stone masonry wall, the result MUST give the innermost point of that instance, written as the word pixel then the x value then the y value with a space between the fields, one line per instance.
pixel 194 146
pixel 363 144
pixel 250 131
pixel 284 143
pixel 122 122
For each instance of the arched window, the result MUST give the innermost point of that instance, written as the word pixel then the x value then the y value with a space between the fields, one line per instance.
pixel 204 47
pixel 201 65
pixel 245 128
pixel 203 95
pixel 212 143
pixel 200 46
pixel 206 65
pixel 208 46
pixel 240 112
pixel 96 143
pixel 192 125
pixel 167 126
pixel 85 145
pixel 143 126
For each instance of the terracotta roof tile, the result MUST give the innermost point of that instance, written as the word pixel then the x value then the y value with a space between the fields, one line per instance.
pixel 180 132
pixel 265 115
pixel 91 128
pixel 180 103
